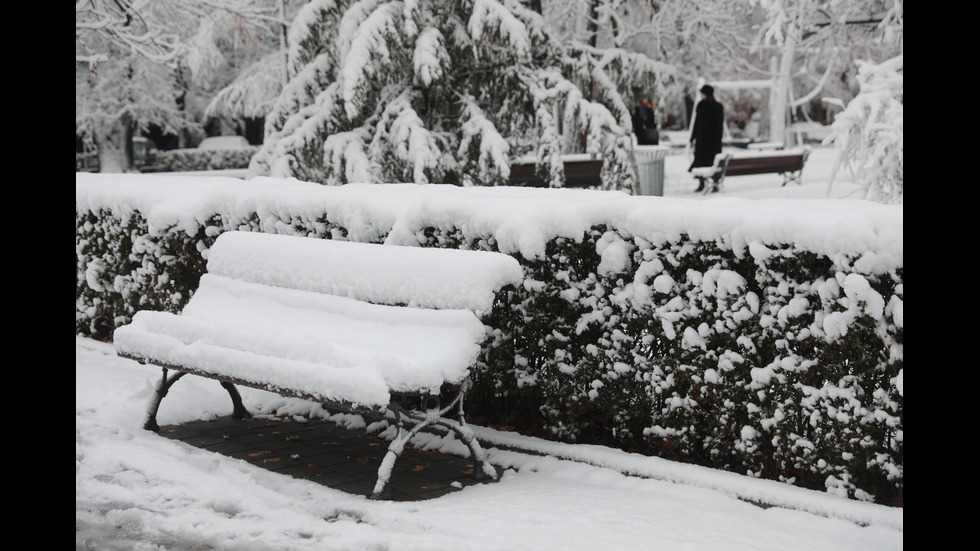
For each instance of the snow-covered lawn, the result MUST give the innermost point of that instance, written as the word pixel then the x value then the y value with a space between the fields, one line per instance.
pixel 137 490
pixel 816 173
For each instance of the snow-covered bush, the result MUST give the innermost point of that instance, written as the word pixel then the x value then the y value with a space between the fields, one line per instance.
pixel 765 339
pixel 182 160
pixel 869 132
pixel 428 91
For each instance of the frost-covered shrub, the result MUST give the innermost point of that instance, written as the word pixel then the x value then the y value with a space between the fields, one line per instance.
pixel 123 267
pixel 870 131
pixel 184 160
pixel 762 354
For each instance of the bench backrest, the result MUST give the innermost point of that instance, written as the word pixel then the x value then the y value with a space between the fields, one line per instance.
pixel 380 274
pixel 578 174
pixel 766 163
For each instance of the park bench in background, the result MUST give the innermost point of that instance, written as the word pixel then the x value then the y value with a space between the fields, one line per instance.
pixel 789 164
pixel 353 326
pixel 581 171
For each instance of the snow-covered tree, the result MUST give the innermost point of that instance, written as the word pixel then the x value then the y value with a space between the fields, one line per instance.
pixel 816 42
pixel 434 91
pixel 134 62
pixel 122 96
pixel 790 52
pixel 703 38
pixel 593 33
pixel 252 62
pixel 869 133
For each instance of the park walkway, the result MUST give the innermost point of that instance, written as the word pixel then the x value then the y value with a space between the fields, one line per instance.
pixel 322 451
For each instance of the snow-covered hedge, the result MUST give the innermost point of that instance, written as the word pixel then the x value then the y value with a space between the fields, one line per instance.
pixel 758 336
pixel 185 160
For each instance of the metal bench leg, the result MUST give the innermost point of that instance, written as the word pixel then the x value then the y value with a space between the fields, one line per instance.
pixel 163 388
pixel 236 399
pixel 792 177
pixel 395 450
pixel 432 416
pixel 161 391
pixel 482 468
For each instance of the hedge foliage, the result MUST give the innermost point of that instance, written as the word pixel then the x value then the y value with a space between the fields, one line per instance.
pixel 774 362
pixel 187 160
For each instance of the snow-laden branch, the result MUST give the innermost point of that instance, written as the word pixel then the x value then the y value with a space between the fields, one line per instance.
pixel 493 158
pixel 369 40
pixel 489 15
pixel 870 132
pixel 253 92
pixel 810 96
pixel 155 30
pixel 402 132
pixel 430 59
pixel 119 24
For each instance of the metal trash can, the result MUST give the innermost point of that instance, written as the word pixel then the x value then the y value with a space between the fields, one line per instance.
pixel 650 162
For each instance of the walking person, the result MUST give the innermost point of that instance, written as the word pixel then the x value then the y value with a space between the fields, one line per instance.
pixel 709 120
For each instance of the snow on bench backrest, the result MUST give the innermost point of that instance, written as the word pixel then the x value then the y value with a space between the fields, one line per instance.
pixel 383 274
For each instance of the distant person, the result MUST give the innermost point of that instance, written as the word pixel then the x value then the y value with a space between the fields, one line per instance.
pixel 706 135
pixel 645 123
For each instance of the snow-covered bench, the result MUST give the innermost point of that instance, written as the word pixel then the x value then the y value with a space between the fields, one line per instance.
pixel 788 163
pixel 349 325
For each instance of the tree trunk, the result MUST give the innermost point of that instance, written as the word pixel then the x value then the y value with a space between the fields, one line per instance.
pixel 779 97
pixel 116 147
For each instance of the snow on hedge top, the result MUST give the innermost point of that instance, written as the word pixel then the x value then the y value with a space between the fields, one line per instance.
pixel 425 278
pixel 217 143
pixel 522 220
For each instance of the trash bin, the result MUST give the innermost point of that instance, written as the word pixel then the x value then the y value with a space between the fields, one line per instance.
pixel 650 162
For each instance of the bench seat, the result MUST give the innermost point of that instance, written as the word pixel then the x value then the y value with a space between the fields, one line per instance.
pixel 336 349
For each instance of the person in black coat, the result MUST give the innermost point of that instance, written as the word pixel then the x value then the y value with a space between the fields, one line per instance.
pixel 709 120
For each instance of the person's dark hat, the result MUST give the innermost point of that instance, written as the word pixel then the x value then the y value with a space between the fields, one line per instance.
pixel 707 89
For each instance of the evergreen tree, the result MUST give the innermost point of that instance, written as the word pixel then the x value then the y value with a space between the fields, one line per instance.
pixel 435 91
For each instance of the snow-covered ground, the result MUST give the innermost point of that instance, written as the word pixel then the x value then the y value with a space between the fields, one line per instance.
pixel 137 490
pixel 679 183
pixel 814 183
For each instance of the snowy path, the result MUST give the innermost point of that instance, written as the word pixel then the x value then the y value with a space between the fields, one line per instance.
pixel 136 490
